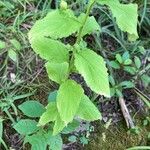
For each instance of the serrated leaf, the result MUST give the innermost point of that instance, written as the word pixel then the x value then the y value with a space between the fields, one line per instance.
pixel 26 126
pixel 38 141
pixel 55 142
pixel 122 12
pixel 68 100
pixel 71 127
pixel 32 108
pixel 56 24
pixel 50 50
pixel 49 115
pixel 87 110
pixel 90 26
pixel 58 126
pixel 92 67
pixel 57 72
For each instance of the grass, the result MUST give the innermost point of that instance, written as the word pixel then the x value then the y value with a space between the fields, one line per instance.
pixel 23 77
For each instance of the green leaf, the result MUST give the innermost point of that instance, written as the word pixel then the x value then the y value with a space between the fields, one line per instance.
pixel 2 44
pixel 16 44
pixel 49 115
pixel 87 110
pixel 127 62
pixel 130 70
pixel 32 108
pixel 12 55
pixel 114 64
pixel 55 142
pixel 127 84
pixel 92 67
pixel 137 62
pixel 126 16
pixel 57 72
pixel 38 141
pixel 68 100
pixel 125 56
pixel 56 24
pixel 90 26
pixel 119 58
pixel 52 96
pixel 26 126
pixel 71 127
pixel 50 50
pixel 58 126
pixel 146 80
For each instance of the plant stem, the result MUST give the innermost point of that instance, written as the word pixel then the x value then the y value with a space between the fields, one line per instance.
pixel 84 21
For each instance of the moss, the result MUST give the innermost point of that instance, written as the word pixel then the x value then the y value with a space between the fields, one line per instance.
pixel 116 138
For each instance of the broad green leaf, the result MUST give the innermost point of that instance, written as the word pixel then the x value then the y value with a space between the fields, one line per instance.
pixel 49 115
pixel 57 72
pixel 56 24
pixel 126 16
pixel 50 50
pixel 32 108
pixel 58 126
pixel 2 44
pixel 71 127
pixel 26 126
pixel 114 64
pixel 92 67
pixel 55 142
pixel 127 62
pixel 68 100
pixel 38 141
pixel 87 110
pixel 91 25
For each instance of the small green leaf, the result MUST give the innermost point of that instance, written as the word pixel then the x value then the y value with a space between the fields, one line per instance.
pixel 58 126
pixel 71 127
pixel 32 108
pixel 1 128
pixel 57 72
pixel 137 62
pixel 87 110
pixel 2 44
pixel 55 142
pixel 127 62
pixel 90 26
pixel 12 55
pixel 16 44
pixel 146 80
pixel 72 138
pixel 139 148
pixel 68 100
pixel 119 58
pixel 130 70
pixel 26 126
pixel 127 84
pixel 50 50
pixel 52 96
pixel 49 115
pixel 114 64
pixel 92 67
pixel 125 56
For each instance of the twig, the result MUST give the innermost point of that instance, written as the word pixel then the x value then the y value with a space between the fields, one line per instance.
pixel 126 114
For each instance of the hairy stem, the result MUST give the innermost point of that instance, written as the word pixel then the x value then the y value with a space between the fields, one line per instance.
pixel 84 21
